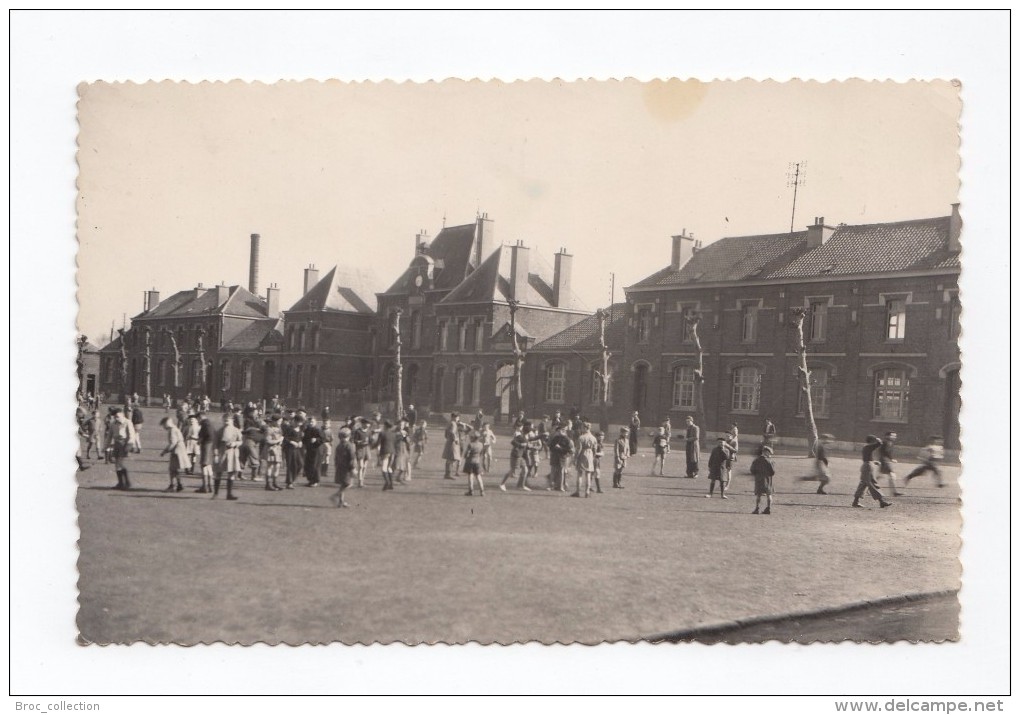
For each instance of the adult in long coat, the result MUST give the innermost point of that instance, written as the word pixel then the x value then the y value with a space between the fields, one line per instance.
pixel 692 447
pixel 452 448
pixel 635 427
pixel 293 449
pixel 312 440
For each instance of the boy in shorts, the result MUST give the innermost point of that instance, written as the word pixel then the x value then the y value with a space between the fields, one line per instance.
pixel 346 464
pixel 518 448
pixel 473 465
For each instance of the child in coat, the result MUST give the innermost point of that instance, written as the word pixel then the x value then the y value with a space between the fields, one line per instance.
pixel 763 469
pixel 177 450
pixel 621 451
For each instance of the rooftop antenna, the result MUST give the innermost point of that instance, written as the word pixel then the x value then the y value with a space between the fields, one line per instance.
pixel 444 219
pixel 612 290
pixel 796 175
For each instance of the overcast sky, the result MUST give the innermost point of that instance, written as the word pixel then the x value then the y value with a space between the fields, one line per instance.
pixel 174 177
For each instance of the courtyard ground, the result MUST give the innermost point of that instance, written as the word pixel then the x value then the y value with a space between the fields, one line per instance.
pixel 425 563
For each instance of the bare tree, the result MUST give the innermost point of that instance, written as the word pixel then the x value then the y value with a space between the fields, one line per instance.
pixel 203 370
pixel 399 365
pixel 516 394
pixel 147 366
pixel 82 342
pixel 604 375
pixel 693 319
pixel 123 363
pixel 177 357
pixel 797 316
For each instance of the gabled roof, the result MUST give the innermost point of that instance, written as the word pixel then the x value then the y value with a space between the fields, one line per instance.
pixel 877 248
pixel 112 347
pixel 870 248
pixel 347 290
pixel 491 281
pixel 451 252
pixel 256 335
pixel 184 303
pixel 584 336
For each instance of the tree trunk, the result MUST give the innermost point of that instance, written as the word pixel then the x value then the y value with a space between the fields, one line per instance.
pixel 516 394
pixel 699 373
pixel 605 377
pixel 148 367
pixel 399 366
pixel 804 377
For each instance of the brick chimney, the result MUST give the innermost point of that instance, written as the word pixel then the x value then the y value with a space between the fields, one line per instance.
pixel 421 242
pixel 520 264
pixel 222 293
pixel 151 299
pixel 683 249
pixel 562 273
pixel 818 233
pixel 311 277
pixel 200 291
pixel 272 301
pixel 955 227
pixel 253 266
pixel 485 238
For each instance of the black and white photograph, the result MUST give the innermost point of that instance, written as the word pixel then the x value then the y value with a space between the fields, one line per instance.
pixel 509 353
pixel 429 364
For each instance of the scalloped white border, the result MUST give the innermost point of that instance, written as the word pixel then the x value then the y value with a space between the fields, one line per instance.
pixel 52 52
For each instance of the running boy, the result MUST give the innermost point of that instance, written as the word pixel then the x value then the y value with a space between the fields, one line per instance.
pixel 931 454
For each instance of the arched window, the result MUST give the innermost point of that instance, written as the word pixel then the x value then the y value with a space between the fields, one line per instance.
pixel 411 386
pixel 640 395
pixel 313 382
pixel 596 386
pixel 416 329
pixel 160 372
pixel 459 380
pixel 301 339
pixel 892 393
pixel 196 373
pixel 315 338
pixel 746 389
pixel 683 387
pixel 439 387
pixel 246 375
pixel 389 381
pixel 555 382
pixel 224 374
pixel 288 381
pixel 820 379
pixel 476 385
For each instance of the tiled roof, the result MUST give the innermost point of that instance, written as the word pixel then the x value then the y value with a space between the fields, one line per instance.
pixel 111 347
pixel 256 335
pixel 584 336
pixel 491 281
pixel 349 290
pixel 875 248
pixel 502 334
pixel 850 250
pixel 451 251
pixel 239 302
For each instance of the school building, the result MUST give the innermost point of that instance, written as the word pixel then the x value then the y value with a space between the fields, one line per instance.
pixel 882 329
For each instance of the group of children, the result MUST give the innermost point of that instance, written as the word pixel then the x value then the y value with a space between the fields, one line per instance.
pixel 292 443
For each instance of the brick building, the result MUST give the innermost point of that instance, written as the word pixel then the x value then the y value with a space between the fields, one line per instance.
pixel 882 334
pixel 227 328
pixel 454 300
pixel 328 336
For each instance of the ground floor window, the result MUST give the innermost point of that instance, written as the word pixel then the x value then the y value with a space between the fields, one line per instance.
pixel 555 382
pixel 891 394
pixel 746 389
pixel 683 387
pixel 820 379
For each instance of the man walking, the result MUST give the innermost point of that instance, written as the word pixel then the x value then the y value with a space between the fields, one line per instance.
pixel 868 482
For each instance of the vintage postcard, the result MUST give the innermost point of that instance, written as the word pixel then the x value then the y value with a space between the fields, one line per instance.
pixel 554 362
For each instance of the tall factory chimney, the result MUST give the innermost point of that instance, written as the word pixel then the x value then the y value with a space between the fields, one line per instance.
pixel 253 266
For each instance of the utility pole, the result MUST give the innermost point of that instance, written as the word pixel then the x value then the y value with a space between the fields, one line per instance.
pixel 796 175
pixel 82 342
